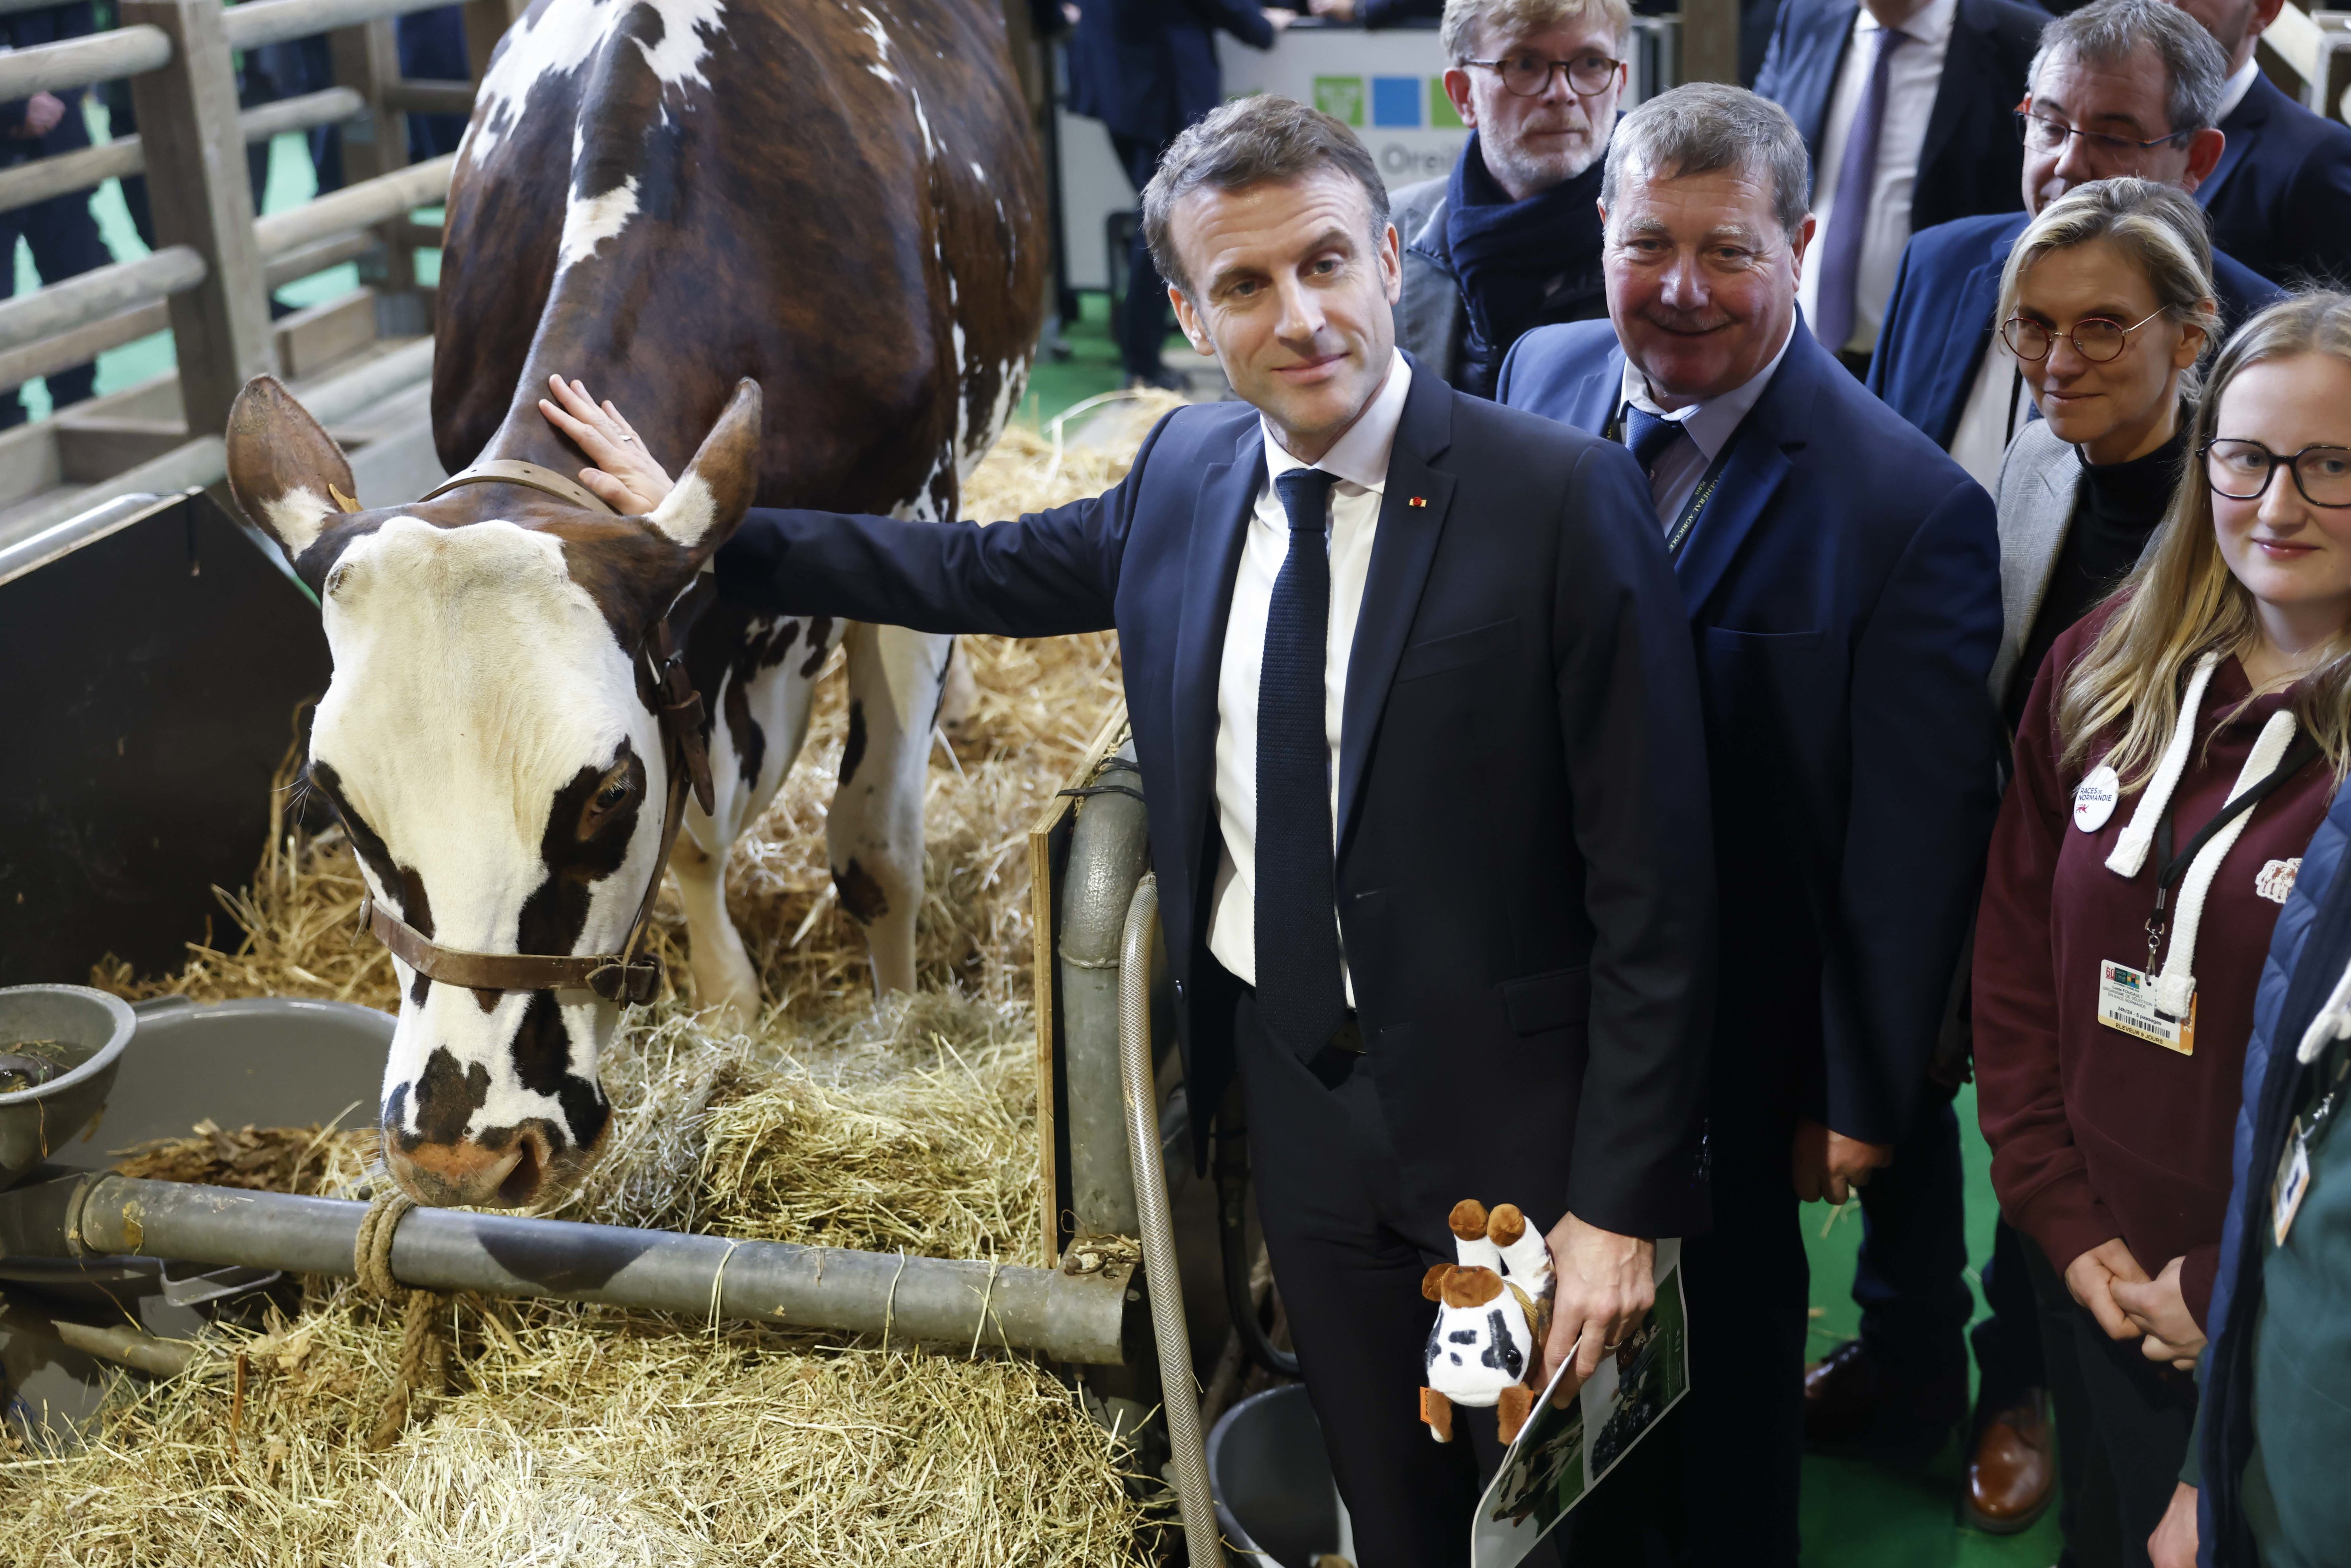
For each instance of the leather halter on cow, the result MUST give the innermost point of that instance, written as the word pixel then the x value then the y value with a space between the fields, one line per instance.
pixel 626 976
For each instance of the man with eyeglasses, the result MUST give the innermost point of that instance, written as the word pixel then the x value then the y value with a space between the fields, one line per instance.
pixel 2280 198
pixel 1510 239
pixel 2120 87
pixel 1898 101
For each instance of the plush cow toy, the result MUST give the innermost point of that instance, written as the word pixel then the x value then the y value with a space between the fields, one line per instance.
pixel 1493 1310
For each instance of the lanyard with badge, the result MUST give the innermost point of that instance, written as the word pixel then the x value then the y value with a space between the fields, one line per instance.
pixel 2292 1183
pixel 2160 1007
pixel 1678 535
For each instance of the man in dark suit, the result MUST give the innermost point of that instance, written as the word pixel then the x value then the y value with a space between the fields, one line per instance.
pixel 2280 198
pixel 1903 105
pixel 1470 675
pixel 1147 69
pixel 60 232
pixel 1841 578
pixel 2120 87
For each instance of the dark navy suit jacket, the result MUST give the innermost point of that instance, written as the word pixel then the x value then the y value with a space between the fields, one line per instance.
pixel 1938 319
pixel 2280 198
pixel 1147 69
pixel 1523 857
pixel 1971 160
pixel 1844 594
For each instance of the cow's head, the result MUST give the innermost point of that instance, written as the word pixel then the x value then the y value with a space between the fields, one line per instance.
pixel 490 741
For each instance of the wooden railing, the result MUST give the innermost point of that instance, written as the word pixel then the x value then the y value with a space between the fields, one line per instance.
pixel 216 260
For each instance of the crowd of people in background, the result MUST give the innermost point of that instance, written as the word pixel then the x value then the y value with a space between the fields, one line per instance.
pixel 2071 408
pixel 61 233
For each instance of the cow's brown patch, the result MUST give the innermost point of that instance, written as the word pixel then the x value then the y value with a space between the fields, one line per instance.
pixel 859 894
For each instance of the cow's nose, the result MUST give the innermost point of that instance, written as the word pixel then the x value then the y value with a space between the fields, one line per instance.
pixel 444 1174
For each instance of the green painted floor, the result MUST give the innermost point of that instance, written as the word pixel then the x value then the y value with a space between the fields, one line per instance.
pixel 1858 1515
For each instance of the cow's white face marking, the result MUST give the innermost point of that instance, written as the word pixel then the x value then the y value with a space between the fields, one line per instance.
pixel 473 681
pixel 566 36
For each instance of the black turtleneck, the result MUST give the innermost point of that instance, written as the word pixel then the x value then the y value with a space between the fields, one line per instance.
pixel 2116 508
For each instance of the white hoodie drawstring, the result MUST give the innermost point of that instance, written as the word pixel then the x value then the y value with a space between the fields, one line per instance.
pixel 2177 984
pixel 2130 851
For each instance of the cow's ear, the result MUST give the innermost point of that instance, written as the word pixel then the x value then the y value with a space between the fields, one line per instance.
pixel 286 473
pixel 710 498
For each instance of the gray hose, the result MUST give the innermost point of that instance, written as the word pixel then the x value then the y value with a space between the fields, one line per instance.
pixel 1179 1393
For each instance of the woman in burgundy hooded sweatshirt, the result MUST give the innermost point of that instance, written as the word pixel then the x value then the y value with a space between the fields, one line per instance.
pixel 2179 747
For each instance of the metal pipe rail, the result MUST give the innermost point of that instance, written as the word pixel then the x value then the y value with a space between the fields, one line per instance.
pixel 127 156
pixel 355 206
pixel 1070 1317
pixel 98 294
pixel 77 62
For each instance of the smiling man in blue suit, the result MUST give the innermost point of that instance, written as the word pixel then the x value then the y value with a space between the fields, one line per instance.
pixel 1841 577
pixel 1414 706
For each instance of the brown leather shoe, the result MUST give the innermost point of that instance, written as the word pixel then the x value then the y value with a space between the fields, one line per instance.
pixel 2012 1473
pixel 1845 1392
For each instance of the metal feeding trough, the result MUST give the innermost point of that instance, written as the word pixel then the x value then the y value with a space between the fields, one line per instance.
pixel 59 1048
pixel 1275 1497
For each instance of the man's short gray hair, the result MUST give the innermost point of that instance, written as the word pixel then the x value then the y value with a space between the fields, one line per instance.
pixel 2112 33
pixel 1247 143
pixel 1473 26
pixel 1703 126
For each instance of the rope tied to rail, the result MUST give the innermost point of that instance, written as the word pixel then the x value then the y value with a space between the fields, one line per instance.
pixel 424 1349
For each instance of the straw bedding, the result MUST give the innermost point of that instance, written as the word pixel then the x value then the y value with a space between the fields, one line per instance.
pixel 583 1435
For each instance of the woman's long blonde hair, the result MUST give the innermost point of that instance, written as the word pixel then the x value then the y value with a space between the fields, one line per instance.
pixel 2182 601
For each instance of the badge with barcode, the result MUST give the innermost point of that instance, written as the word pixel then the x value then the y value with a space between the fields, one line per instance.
pixel 2292 1185
pixel 2126 1002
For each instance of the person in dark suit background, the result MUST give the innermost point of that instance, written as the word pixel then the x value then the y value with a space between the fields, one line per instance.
pixel 63 237
pixel 1471 674
pixel 1841 578
pixel 2120 87
pixel 2280 198
pixel 1903 105
pixel 1147 69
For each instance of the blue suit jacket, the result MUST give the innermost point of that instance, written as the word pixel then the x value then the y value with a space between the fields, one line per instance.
pixel 1843 593
pixel 1971 160
pixel 1147 69
pixel 2280 198
pixel 1938 319
pixel 1522 855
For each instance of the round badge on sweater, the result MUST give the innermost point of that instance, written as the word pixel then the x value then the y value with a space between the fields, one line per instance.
pixel 2095 798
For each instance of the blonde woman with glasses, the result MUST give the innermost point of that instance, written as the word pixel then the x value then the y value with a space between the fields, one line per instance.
pixel 2177 748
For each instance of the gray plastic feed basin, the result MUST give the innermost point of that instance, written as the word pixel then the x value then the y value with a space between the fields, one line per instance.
pixel 92 1028
pixel 1271 1476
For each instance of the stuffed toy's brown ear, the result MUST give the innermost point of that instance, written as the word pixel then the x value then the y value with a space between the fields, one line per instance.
pixel 1432 1284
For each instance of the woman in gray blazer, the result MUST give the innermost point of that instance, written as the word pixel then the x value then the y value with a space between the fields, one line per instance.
pixel 2107 304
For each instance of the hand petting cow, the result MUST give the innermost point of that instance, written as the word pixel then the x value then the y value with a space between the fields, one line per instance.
pixel 1493 1310
pixel 839 207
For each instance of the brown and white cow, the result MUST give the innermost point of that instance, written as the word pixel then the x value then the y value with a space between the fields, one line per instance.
pixel 837 202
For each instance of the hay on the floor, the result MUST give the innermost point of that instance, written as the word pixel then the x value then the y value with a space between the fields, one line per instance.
pixel 309 1161
pixel 581 1435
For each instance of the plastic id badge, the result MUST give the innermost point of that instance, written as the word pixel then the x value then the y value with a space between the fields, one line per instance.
pixel 2292 1185
pixel 2126 1002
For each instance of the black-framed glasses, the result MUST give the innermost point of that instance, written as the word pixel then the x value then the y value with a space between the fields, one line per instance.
pixel 2041 134
pixel 2241 471
pixel 2094 338
pixel 1526 74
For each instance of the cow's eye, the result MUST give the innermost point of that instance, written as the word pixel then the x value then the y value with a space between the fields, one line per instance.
pixel 614 793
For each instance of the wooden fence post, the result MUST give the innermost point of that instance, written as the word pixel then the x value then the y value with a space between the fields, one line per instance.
pixel 367 59
pixel 203 198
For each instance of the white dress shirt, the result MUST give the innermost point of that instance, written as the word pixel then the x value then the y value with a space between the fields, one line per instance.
pixel 1997 406
pixel 1360 461
pixel 2238 87
pixel 1710 427
pixel 1913 75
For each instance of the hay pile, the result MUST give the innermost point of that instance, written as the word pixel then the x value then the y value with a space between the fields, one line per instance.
pixel 583 1435
pixel 310 1161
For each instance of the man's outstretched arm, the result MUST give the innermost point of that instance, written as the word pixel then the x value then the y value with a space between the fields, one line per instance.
pixel 1043 575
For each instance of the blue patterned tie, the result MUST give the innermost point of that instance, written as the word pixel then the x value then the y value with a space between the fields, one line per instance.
pixel 1856 178
pixel 1648 435
pixel 1301 995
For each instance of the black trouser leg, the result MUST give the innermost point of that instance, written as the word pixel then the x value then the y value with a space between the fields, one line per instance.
pixel 66 243
pixel 2085 1507
pixel 1142 325
pixel 1910 1276
pixel 2008 1342
pixel 1747 1284
pixel 1350 1280
pixel 2144 1413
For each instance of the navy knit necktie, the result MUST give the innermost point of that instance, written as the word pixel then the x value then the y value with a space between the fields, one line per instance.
pixel 1301 995
pixel 1648 435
